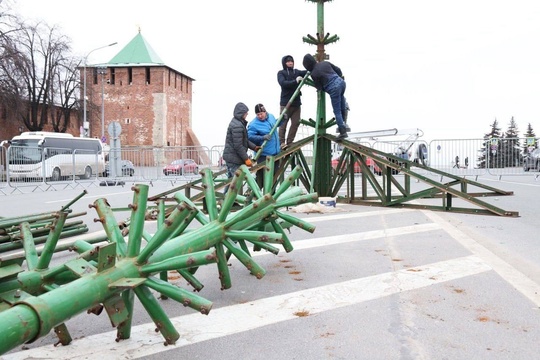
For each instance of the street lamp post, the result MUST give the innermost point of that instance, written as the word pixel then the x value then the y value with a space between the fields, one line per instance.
pixel 102 70
pixel 85 121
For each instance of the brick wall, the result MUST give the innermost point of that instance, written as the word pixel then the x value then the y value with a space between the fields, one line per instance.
pixel 156 114
pixel 152 113
pixel 11 124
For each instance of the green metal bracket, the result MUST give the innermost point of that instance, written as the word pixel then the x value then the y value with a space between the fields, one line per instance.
pixel 106 257
pixel 116 309
pixel 80 267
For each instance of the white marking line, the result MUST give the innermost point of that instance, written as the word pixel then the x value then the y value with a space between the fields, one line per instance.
pixel 511 182
pixel 367 235
pixel 194 328
pixel 514 277
pixel 342 216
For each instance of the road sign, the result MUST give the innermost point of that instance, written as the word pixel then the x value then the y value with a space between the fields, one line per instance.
pixel 114 129
pixel 103 139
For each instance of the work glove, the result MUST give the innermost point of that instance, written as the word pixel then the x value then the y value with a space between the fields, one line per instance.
pixel 248 162
pixel 298 79
pixel 267 137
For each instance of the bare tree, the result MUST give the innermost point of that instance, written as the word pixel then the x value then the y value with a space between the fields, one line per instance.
pixel 37 62
pixel 10 59
pixel 65 91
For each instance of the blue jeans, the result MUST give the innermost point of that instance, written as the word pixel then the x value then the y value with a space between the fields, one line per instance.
pixel 336 89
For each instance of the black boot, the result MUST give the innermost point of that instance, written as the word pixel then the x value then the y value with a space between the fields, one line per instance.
pixel 345 114
pixel 347 128
pixel 342 133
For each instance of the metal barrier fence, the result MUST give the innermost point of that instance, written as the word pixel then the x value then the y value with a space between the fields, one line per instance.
pixel 462 157
pixel 458 157
pixel 168 163
pixel 38 168
pixel 471 157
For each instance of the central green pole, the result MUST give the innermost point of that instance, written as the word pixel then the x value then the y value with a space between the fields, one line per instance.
pixel 322 146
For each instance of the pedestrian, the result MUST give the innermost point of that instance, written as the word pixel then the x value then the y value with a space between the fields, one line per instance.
pixel 258 132
pixel 235 153
pixel 456 165
pixel 328 77
pixel 289 78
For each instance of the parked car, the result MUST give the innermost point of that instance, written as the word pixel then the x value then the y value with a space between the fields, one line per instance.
pixel 181 167
pixel 357 169
pixel 532 160
pixel 127 169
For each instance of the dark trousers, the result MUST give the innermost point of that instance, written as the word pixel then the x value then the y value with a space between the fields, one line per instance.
pixel 260 173
pixel 293 115
pixel 231 169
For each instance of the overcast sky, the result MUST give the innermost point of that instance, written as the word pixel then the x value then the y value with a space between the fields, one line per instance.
pixel 449 68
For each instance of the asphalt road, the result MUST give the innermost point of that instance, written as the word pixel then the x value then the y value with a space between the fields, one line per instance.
pixel 369 283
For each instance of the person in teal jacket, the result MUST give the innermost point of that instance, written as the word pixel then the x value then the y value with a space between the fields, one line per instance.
pixel 259 132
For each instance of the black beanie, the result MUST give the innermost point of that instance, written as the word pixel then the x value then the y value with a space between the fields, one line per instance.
pixel 259 108
pixel 289 58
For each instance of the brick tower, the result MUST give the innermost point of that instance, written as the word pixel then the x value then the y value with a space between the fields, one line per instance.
pixel 151 101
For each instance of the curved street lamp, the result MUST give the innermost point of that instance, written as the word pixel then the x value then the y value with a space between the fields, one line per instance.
pixel 85 121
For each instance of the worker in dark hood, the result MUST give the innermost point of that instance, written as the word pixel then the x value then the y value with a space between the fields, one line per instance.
pixel 235 153
pixel 288 78
pixel 328 77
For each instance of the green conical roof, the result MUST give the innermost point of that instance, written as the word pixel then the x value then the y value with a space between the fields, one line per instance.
pixel 137 52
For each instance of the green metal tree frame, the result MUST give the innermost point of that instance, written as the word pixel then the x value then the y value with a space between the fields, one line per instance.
pixel 42 297
pixel 396 173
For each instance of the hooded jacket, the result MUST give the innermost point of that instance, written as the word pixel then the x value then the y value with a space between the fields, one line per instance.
pixel 287 80
pixel 321 72
pixel 236 141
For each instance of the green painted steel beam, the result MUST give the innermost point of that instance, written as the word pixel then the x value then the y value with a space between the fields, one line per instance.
pixel 392 166
pixel 109 274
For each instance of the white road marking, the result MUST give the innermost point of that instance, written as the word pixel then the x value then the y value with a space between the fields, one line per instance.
pixel 512 182
pixel 194 328
pixel 352 215
pixel 520 281
pixel 366 235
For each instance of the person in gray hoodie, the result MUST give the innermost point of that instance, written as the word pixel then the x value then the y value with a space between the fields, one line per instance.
pixel 237 144
pixel 328 77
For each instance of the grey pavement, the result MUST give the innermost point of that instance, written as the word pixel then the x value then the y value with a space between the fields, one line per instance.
pixel 369 283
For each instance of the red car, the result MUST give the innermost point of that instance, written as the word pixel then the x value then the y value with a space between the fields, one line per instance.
pixel 181 167
pixel 357 169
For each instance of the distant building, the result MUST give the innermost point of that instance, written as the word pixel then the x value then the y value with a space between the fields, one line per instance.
pixel 151 101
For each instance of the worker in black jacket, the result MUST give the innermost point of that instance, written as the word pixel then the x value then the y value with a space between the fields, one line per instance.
pixel 328 77
pixel 237 144
pixel 288 78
